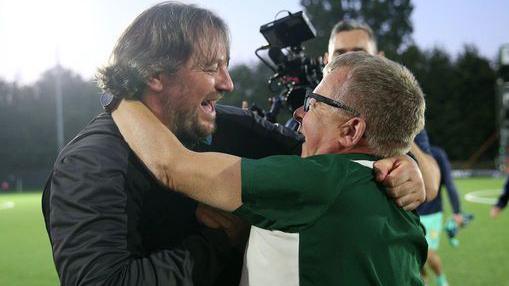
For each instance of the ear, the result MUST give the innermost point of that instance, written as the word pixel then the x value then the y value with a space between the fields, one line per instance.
pixel 152 96
pixel 155 83
pixel 351 132
pixel 325 58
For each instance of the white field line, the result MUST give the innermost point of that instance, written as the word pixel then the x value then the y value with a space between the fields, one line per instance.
pixel 7 205
pixel 488 197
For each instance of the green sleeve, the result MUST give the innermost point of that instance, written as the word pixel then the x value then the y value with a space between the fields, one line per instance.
pixel 289 193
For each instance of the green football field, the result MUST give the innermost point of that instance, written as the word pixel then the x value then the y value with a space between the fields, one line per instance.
pixel 481 259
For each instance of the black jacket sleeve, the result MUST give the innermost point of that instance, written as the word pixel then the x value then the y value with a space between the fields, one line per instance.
pixel 85 206
pixel 245 134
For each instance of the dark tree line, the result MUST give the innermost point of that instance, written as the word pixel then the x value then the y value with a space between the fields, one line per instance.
pixel 460 97
pixel 460 92
pixel 28 123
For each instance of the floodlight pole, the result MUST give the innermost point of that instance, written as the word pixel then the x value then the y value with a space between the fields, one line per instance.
pixel 59 108
pixel 503 108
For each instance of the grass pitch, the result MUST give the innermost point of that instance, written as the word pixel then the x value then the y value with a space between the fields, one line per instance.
pixel 482 256
pixel 25 251
pixel 481 259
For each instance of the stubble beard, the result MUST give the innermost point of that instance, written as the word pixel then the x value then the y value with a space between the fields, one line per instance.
pixel 186 126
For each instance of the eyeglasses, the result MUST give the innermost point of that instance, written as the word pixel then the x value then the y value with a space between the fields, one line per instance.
pixel 328 101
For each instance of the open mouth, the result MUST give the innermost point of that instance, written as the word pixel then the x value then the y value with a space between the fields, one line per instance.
pixel 208 106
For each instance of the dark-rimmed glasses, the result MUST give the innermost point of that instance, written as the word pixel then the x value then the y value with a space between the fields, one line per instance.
pixel 328 101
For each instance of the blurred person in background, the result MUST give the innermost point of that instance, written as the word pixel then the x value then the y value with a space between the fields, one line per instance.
pixel 501 202
pixel 4 186
pixel 432 216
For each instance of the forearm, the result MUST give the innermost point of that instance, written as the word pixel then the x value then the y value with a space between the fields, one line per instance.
pixel 211 178
pixel 453 198
pixel 430 172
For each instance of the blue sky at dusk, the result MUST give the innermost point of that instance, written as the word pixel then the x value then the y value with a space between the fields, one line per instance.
pixel 81 34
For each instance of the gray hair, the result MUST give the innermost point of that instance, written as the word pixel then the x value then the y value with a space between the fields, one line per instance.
pixel 160 40
pixel 387 96
pixel 350 25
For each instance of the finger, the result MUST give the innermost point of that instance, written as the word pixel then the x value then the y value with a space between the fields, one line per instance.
pixel 391 193
pixel 383 167
pixel 207 220
pixel 394 179
pixel 400 175
pixel 402 172
pixel 226 216
pixel 380 173
pixel 405 166
pixel 406 201
pixel 220 218
pixel 401 189
pixel 415 189
pixel 411 206
pixel 216 218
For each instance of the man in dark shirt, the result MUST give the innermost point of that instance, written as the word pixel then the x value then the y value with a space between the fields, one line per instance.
pixel 109 221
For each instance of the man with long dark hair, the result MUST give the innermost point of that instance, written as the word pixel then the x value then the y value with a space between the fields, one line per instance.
pixel 109 221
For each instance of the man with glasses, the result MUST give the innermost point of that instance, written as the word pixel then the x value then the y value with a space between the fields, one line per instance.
pixel 352 36
pixel 318 219
pixel 311 95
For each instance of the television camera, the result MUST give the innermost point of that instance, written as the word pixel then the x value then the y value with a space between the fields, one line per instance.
pixel 294 71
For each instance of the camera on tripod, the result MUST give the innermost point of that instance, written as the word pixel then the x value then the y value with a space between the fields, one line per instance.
pixel 294 71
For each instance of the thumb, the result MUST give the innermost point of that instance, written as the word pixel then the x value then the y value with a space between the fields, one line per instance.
pixel 383 167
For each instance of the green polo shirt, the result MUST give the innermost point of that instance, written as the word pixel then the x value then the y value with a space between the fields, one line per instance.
pixel 323 220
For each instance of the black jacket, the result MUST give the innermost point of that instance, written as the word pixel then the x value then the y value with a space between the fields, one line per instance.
pixel 111 223
pixel 245 134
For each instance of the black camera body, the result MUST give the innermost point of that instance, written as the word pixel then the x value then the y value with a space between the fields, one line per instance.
pixel 294 71
pixel 289 31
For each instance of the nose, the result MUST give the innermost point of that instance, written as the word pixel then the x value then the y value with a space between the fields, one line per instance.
pixel 224 82
pixel 298 114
